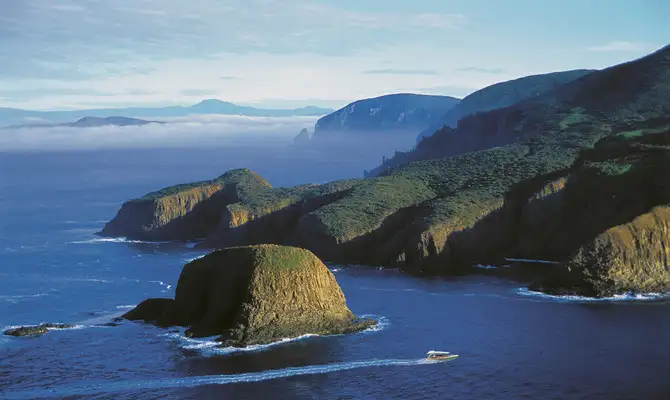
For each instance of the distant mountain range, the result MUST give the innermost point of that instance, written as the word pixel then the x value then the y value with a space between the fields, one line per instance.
pixel 503 94
pixel 13 116
pixel 90 122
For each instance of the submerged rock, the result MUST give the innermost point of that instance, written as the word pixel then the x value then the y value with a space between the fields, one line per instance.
pixel 254 295
pixel 35 330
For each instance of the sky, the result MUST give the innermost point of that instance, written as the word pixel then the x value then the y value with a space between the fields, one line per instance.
pixel 73 54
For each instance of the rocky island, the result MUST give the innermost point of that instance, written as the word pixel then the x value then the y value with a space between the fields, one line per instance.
pixel 35 330
pixel 577 175
pixel 254 295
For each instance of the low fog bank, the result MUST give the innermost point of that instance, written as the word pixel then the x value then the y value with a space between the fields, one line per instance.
pixel 192 131
pixel 188 149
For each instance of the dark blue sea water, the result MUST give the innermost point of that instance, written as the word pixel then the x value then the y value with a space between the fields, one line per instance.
pixel 512 345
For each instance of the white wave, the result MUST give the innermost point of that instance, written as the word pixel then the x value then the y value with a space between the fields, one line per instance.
pixel 166 285
pixel 336 270
pixel 194 381
pixel 574 298
pixel 95 280
pixel 70 328
pixel 113 240
pixel 16 298
pixel 188 260
pixel 23 296
pixel 124 307
pixel 525 260
pixel 382 323
pixel 209 346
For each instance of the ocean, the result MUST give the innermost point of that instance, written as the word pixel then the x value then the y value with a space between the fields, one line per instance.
pixel 513 344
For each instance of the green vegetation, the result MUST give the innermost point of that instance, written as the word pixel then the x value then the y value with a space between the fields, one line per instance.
pixel 246 180
pixel 576 116
pixel 469 193
pixel 265 202
pixel 279 258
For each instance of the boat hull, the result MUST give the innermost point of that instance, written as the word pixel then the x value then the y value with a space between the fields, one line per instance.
pixel 442 358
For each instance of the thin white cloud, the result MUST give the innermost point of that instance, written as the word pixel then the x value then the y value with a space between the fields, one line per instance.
pixel 264 76
pixel 171 48
pixel 623 46
pixel 196 131
pixel 392 71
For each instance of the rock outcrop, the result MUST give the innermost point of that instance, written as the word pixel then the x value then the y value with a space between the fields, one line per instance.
pixel 302 139
pixel 632 257
pixel 35 330
pixel 254 295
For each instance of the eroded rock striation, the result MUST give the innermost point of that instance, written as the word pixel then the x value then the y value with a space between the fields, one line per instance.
pixel 254 295
pixel 186 211
pixel 632 257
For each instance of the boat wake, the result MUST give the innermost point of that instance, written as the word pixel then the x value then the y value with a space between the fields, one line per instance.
pixel 89 388
pixel 628 297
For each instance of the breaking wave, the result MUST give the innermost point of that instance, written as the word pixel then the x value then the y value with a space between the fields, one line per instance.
pixel 584 299
pixel 209 346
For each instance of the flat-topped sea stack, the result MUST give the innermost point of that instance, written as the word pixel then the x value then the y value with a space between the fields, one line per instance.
pixel 254 295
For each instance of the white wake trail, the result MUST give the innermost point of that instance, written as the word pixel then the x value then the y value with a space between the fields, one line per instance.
pixel 194 381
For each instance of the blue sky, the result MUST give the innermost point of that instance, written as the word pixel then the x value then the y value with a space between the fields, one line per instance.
pixel 69 54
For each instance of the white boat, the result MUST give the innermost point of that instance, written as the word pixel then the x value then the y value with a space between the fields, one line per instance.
pixel 435 355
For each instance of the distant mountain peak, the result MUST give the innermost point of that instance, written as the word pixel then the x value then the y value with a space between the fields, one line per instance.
pixel 212 102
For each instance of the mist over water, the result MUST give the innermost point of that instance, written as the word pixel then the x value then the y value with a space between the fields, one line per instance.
pixel 193 131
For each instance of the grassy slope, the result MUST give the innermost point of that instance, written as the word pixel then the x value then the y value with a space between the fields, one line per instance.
pixel 504 94
pixel 245 179
pixel 594 104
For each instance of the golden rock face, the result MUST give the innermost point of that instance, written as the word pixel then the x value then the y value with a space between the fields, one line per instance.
pixel 630 257
pixel 254 295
